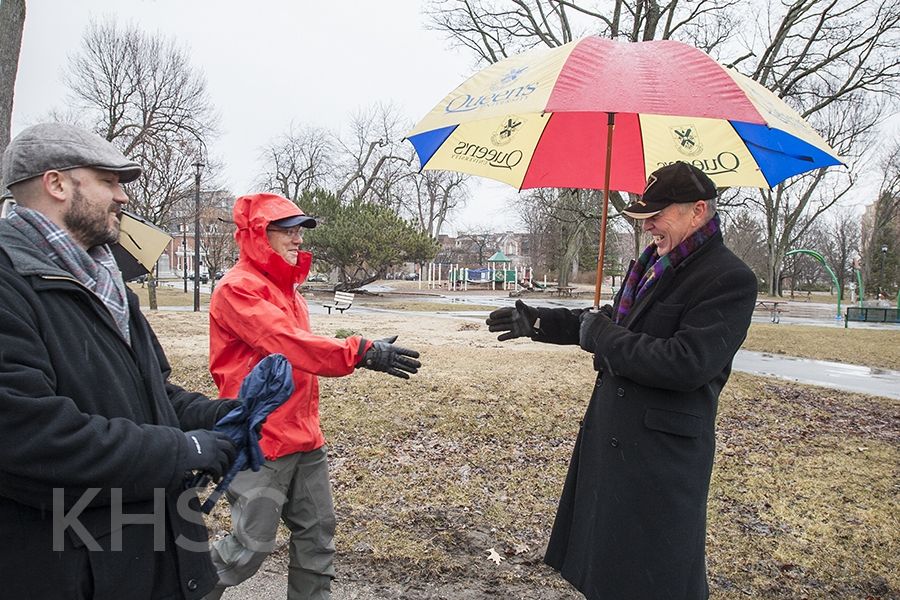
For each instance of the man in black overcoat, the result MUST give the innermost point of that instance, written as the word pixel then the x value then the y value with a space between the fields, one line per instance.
pixel 95 443
pixel 631 523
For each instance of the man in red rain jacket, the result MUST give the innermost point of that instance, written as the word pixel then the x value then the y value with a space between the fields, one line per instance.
pixel 256 310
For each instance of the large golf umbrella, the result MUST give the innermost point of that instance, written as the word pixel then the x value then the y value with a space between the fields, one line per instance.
pixel 601 114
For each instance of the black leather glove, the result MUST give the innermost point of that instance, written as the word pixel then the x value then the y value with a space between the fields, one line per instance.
pixel 393 360
pixel 591 323
pixel 516 322
pixel 211 452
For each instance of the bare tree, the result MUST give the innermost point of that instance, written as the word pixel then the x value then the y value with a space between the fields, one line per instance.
pixel 299 161
pixel 745 236
pixel 479 244
pixel 12 22
pixel 220 249
pixel 881 248
pixel 841 244
pixel 835 61
pixel 563 223
pixel 374 161
pixel 140 92
pixel 434 195
pixel 495 29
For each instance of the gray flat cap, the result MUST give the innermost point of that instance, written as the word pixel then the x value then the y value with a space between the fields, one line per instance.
pixel 59 147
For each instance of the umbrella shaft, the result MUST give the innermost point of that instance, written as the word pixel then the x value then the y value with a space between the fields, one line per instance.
pixel 611 125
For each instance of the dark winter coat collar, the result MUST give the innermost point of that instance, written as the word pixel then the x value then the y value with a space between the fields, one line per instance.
pixel 26 258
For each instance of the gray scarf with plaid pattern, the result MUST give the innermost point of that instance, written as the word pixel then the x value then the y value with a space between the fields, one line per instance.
pixel 95 269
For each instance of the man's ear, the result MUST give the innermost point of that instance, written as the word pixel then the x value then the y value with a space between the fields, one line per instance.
pixel 698 212
pixel 55 184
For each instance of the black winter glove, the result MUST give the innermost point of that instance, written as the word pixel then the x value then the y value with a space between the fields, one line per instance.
pixel 516 322
pixel 211 452
pixel 591 323
pixel 393 360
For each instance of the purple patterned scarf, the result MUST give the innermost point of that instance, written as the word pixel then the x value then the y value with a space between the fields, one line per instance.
pixel 95 269
pixel 649 267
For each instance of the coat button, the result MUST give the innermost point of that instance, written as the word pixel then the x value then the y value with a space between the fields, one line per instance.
pixel 614 442
pixel 192 585
pixel 620 392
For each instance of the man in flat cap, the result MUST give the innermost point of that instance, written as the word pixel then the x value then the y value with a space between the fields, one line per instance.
pixel 631 521
pixel 95 443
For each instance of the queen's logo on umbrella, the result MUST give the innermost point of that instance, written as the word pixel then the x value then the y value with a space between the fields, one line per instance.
pixel 508 78
pixel 504 134
pixel 686 140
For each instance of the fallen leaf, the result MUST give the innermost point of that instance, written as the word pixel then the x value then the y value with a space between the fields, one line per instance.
pixel 492 555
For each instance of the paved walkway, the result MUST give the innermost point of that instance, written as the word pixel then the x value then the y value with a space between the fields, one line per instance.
pixel 840 376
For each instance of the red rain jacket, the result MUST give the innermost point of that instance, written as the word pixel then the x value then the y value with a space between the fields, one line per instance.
pixel 256 310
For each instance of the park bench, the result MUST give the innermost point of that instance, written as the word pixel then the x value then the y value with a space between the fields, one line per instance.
pixel 342 301
pixel 872 314
pixel 771 306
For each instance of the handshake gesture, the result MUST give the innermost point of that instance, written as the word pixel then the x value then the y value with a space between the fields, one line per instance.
pixel 391 359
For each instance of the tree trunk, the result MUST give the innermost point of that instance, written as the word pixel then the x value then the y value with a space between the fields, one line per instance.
pixel 151 290
pixel 12 21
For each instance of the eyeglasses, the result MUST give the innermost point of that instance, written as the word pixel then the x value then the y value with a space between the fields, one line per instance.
pixel 293 232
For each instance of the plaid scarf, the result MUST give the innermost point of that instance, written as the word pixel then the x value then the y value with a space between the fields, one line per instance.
pixel 96 268
pixel 649 267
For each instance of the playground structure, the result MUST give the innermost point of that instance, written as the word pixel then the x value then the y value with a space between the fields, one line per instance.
pixel 455 277
pixel 821 259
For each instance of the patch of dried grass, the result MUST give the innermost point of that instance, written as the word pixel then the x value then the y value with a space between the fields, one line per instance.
pixel 472 452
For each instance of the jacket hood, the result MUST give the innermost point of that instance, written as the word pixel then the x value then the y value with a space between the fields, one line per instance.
pixel 252 214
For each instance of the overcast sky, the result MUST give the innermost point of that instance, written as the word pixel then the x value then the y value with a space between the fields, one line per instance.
pixel 272 62
pixel 268 63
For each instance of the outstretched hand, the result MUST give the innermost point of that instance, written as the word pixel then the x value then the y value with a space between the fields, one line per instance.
pixel 518 321
pixel 391 359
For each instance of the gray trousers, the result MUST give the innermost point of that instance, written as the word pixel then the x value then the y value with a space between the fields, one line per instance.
pixel 295 489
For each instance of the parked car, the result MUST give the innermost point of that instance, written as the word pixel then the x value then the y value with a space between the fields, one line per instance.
pixel 204 278
pixel 317 277
pixel 411 277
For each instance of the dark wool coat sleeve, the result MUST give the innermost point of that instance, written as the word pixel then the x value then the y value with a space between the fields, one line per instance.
pixel 631 521
pixel 194 410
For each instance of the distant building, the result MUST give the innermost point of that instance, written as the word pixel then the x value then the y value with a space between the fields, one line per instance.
pixel 216 236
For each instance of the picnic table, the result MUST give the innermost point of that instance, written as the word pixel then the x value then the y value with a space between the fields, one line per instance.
pixel 564 290
pixel 773 306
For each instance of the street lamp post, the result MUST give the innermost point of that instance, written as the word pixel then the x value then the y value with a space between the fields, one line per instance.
pixel 881 280
pixel 197 166
pixel 184 253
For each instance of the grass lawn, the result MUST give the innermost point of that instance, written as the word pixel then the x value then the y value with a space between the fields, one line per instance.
pixel 870 347
pixel 470 454
pixel 167 296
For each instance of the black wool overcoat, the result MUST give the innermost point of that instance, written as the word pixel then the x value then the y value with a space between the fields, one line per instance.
pixel 89 425
pixel 631 523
